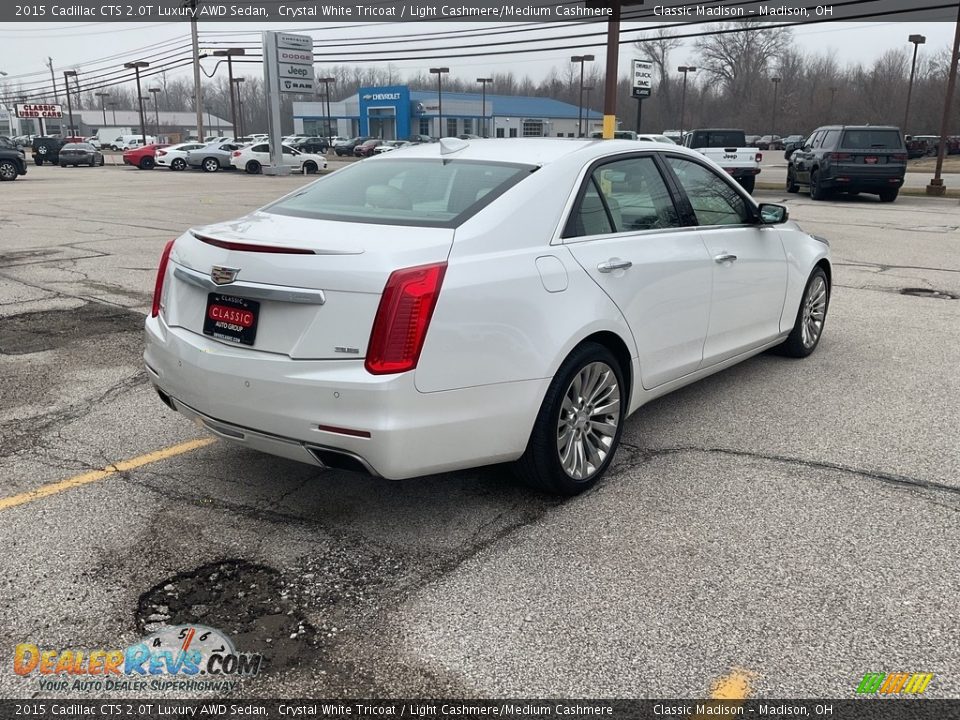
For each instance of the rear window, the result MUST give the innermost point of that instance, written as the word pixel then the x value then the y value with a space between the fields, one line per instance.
pixel 719 139
pixel 868 138
pixel 421 192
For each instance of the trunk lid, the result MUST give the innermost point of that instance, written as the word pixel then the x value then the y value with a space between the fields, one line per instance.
pixel 313 285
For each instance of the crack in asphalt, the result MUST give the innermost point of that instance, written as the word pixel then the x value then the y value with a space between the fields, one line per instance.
pixel 897 480
pixel 885 267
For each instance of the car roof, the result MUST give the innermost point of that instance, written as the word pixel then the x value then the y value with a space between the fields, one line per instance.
pixel 858 127
pixel 536 151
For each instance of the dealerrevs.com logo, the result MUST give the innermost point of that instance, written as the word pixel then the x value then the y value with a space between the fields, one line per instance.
pixel 894 683
pixel 184 657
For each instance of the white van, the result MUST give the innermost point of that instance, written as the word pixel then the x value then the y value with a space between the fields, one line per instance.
pixel 128 142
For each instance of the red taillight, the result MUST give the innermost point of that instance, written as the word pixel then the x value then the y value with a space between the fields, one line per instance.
pixel 759 157
pixel 236 153
pixel 403 317
pixel 161 153
pixel 900 157
pixel 161 274
pixel 838 156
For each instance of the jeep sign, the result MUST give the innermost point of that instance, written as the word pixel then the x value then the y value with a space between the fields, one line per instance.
pixel 642 78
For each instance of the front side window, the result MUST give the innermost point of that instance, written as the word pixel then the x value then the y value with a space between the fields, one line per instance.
pixel 633 196
pixel 714 200
pixel 428 193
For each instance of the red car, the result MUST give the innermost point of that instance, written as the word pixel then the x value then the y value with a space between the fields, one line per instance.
pixel 366 149
pixel 142 157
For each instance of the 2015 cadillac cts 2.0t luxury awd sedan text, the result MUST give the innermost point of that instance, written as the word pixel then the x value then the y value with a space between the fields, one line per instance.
pixel 461 303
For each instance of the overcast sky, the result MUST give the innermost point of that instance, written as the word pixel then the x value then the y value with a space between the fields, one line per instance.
pixel 27 45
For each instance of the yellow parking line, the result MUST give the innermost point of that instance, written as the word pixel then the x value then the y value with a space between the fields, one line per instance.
pixel 735 685
pixel 95 475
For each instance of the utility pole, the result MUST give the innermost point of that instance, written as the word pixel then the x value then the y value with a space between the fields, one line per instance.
pixel 581 59
pixel 66 87
pixel 197 89
pixel 103 106
pixel 237 81
pixel 53 77
pixel 936 186
pixel 439 72
pixel 135 66
pixel 156 108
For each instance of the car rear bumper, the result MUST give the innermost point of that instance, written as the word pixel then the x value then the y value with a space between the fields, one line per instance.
pixel 277 405
pixel 861 182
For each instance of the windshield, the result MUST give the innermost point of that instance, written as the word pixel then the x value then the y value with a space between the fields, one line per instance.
pixel 423 192
pixel 869 138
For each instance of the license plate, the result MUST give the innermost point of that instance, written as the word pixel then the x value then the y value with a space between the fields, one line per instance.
pixel 871 160
pixel 231 318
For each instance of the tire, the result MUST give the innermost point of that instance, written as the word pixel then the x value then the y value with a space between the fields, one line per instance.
pixel 310 167
pixel 749 183
pixel 63 164
pixel 178 164
pixel 792 186
pixel 889 195
pixel 542 465
pixel 253 167
pixel 103 161
pixel 811 317
pixel 92 162
pixel 8 171
pixel 146 163
pixel 817 192
pixel 38 160
pixel 210 164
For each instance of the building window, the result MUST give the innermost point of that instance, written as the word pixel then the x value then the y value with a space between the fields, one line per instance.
pixel 499 132
pixel 451 127
pixel 425 126
pixel 513 132
pixel 468 126
pixel 533 128
pixel 559 134
pixel 569 134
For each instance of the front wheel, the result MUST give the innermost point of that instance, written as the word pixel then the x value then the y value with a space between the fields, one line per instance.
pixel 578 428
pixel 817 191
pixel 310 168
pixel 8 171
pixel 792 186
pixel 38 160
pixel 811 316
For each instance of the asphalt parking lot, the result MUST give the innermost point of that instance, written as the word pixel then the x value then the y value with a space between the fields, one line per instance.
pixel 776 530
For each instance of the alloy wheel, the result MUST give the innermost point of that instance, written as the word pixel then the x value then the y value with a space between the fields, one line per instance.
pixel 588 420
pixel 8 171
pixel 814 312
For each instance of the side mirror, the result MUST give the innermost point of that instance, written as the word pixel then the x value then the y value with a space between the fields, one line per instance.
pixel 771 214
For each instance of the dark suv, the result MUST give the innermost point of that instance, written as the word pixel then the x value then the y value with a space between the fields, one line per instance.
pixel 348 147
pixel 47 149
pixel 852 159
pixel 12 162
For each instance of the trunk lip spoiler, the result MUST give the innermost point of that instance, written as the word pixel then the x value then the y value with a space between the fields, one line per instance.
pixel 251 290
pixel 243 246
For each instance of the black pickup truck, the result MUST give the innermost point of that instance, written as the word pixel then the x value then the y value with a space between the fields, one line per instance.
pixel 12 161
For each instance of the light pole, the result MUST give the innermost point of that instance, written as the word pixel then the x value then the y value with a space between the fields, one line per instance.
pixel 113 107
pixel 588 89
pixel 229 53
pixel 581 59
pixel 103 107
pixel 237 81
pixel 483 94
pixel 773 121
pixel 936 186
pixel 67 74
pixel 156 108
pixel 683 95
pixel 135 66
pixel 439 72
pixel 917 41
pixel 326 94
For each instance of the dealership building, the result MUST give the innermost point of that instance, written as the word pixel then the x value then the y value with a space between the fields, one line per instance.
pixel 397 112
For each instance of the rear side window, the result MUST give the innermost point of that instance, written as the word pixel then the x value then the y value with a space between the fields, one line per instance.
pixel 830 140
pixel 868 138
pixel 420 192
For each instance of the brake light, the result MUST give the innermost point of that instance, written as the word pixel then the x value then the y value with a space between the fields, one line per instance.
pixel 161 153
pixel 901 157
pixel 161 274
pixel 400 326
pixel 838 156
pixel 236 153
pixel 759 157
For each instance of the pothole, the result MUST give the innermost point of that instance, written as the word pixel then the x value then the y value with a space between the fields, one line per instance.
pixel 930 293
pixel 251 603
pixel 50 329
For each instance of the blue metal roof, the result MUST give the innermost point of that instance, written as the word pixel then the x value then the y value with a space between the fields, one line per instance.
pixel 507 105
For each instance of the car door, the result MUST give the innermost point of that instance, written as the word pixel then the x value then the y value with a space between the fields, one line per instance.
pixel 291 158
pixel 626 233
pixel 802 158
pixel 749 261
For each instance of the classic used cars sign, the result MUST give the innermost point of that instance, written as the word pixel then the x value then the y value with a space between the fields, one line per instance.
pixel 39 111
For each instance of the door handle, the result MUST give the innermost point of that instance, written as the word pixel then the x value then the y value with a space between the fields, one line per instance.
pixel 724 257
pixel 614 264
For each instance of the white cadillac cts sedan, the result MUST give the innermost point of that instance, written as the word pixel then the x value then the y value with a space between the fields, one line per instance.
pixel 462 303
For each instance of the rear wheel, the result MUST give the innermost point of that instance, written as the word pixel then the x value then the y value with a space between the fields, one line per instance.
pixel 578 428
pixel 63 164
pixel 103 161
pixel 817 191
pixel 210 164
pixel 253 167
pixel 93 161
pixel 8 171
pixel 811 316
pixel 38 160
pixel 146 163
pixel 749 183
pixel 792 186
pixel 889 195
pixel 178 164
